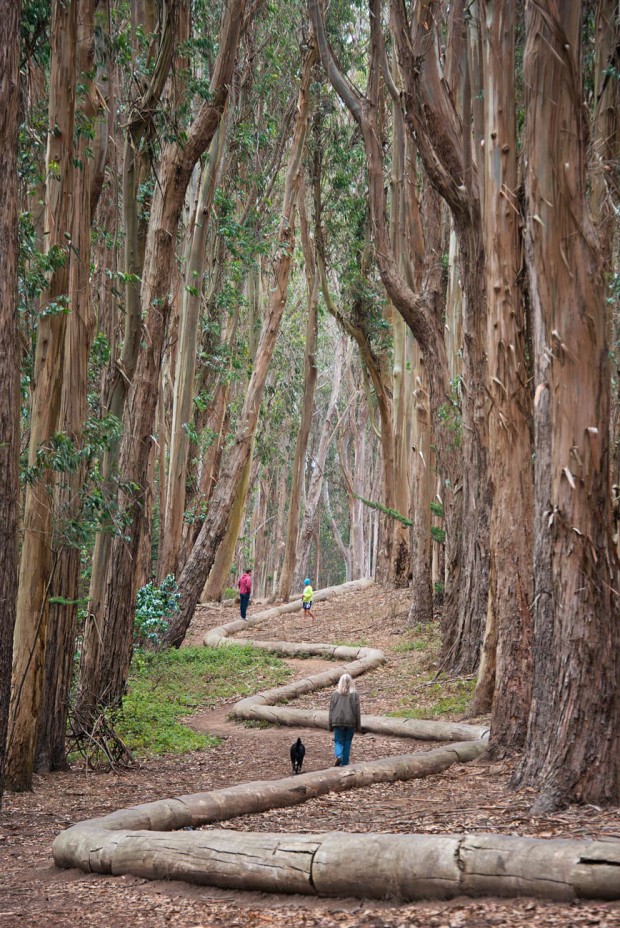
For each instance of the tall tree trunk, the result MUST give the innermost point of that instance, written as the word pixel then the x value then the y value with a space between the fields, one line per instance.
pixel 279 537
pixel 420 309
pixel 317 469
pixel 9 353
pixel 216 581
pixel 36 556
pixel 136 167
pixel 310 372
pixel 65 588
pixel 203 555
pixel 423 485
pixel 571 752
pixel 360 540
pixel 606 196
pixel 404 221
pixel 105 669
pixel 445 149
pixel 344 551
pixel 509 621
pixel 186 361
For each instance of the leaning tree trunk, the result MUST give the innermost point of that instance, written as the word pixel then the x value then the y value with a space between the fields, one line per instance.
pixel 216 581
pixel 571 753
pixel 203 555
pixel 36 555
pixel 104 672
pixel 509 621
pixel 9 352
pixel 186 362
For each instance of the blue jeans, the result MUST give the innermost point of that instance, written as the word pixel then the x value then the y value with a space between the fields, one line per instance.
pixel 342 743
pixel 244 601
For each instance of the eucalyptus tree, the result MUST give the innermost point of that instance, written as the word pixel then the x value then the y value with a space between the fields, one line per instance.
pixel 606 191
pixel 571 752
pixel 9 352
pixel 508 637
pixel 36 554
pixel 153 38
pixel 106 660
pixel 351 292
pixel 90 156
pixel 317 466
pixel 213 529
pixel 421 308
pixel 309 385
pixel 444 144
pixel 185 367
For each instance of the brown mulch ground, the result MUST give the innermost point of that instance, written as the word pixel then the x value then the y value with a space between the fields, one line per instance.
pixel 474 797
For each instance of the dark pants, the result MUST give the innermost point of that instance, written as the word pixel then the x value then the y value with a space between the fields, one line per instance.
pixel 244 602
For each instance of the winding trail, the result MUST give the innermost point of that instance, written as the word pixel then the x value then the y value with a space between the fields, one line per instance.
pixel 146 840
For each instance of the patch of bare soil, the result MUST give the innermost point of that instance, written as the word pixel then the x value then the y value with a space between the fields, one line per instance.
pixel 474 797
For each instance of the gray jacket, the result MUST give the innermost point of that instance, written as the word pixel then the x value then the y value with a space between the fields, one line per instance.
pixel 344 711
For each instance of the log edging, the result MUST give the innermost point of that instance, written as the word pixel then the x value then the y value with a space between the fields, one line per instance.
pixel 138 840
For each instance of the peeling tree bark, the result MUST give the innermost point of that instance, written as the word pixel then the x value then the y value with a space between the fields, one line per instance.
pixel 9 353
pixel 36 555
pixel 572 750
pixel 509 623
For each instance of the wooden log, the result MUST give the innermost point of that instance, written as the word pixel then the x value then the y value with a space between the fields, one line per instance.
pixel 379 866
pixel 76 846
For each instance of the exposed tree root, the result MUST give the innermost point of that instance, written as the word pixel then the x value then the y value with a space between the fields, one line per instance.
pixel 408 867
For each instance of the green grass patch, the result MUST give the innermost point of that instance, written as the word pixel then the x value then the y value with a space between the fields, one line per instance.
pixel 420 638
pixel 446 697
pixel 419 645
pixel 165 687
pixel 362 643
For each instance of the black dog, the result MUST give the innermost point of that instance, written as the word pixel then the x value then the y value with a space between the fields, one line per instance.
pixel 298 752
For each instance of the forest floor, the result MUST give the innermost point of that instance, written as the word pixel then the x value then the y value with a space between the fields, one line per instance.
pixel 473 797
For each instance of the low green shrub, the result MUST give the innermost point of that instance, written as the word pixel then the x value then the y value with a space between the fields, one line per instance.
pixel 155 606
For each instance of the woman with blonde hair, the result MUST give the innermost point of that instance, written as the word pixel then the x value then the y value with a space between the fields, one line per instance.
pixel 344 718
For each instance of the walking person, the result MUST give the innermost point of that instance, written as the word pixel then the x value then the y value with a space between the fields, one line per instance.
pixel 306 598
pixel 245 588
pixel 344 718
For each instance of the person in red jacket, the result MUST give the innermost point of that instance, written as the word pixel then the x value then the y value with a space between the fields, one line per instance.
pixel 245 588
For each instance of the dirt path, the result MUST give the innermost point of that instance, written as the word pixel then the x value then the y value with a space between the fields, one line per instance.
pixel 34 894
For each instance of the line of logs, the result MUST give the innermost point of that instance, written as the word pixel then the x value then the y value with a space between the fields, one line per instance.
pixel 146 840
